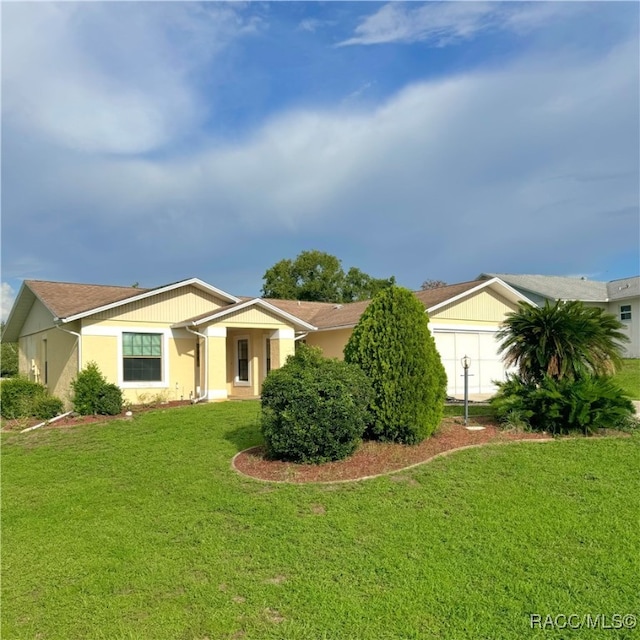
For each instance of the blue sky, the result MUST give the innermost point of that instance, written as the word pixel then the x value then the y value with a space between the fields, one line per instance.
pixel 151 142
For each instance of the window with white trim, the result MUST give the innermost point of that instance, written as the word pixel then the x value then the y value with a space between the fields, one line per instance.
pixel 242 360
pixel 267 353
pixel 625 312
pixel 142 357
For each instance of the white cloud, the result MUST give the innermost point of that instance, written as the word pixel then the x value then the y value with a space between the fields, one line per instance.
pixel 313 24
pixel 485 168
pixel 115 78
pixel 444 23
pixel 7 296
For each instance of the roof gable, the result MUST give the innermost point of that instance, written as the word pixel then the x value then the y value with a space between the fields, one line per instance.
pixel 70 301
pixel 263 303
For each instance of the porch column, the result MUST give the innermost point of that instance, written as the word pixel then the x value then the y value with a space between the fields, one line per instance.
pixel 217 363
pixel 282 345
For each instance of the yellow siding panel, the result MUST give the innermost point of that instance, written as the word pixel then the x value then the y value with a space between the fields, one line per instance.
pixel 253 317
pixel 484 306
pixel 169 307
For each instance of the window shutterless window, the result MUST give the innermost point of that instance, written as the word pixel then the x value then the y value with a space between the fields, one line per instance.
pixel 243 360
pixel 142 357
pixel 625 312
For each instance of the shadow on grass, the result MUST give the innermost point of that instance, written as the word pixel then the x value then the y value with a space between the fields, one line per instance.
pixel 245 436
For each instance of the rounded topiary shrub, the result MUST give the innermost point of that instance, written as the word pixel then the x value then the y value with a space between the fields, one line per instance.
pixel 392 344
pixel 110 400
pixel 314 409
pixel 92 394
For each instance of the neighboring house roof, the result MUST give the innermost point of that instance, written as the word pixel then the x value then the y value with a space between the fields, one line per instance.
pixel 555 287
pixel 564 288
pixel 624 288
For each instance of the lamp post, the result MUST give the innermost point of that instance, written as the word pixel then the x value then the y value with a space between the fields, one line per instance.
pixel 466 363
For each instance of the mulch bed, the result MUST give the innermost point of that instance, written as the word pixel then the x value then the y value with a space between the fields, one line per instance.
pixel 374 458
pixel 75 420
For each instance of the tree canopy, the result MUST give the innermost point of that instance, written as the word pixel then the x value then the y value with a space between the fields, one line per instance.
pixel 561 340
pixel 432 284
pixel 319 277
pixel 9 356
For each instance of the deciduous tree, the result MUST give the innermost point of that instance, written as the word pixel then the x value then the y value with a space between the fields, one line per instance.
pixel 318 276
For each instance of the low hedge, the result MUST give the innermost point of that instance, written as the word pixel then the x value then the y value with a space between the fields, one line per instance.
pixel 24 398
pixel 586 404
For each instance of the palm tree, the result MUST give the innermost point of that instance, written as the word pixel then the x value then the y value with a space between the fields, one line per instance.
pixel 561 340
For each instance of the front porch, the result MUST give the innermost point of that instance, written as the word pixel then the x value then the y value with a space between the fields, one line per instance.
pixel 232 363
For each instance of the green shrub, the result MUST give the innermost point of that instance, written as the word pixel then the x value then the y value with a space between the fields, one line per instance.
pixel 560 406
pixel 314 409
pixel 23 398
pixel 47 407
pixel 92 394
pixel 9 359
pixel 110 400
pixel 392 344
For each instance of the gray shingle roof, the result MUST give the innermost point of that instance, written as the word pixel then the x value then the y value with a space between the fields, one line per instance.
pixel 556 287
pixel 624 288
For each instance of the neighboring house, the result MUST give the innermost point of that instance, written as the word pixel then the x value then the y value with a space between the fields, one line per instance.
pixel 191 340
pixel 620 298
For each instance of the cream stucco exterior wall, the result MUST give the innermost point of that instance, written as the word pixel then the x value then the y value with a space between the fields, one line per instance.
pixel 332 342
pixel 48 355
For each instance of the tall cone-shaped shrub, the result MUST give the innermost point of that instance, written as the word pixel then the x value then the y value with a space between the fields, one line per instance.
pixel 392 344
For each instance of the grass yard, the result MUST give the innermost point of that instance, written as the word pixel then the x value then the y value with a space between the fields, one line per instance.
pixel 140 529
pixel 629 378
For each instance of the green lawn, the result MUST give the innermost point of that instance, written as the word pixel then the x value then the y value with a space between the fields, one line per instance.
pixel 629 378
pixel 139 529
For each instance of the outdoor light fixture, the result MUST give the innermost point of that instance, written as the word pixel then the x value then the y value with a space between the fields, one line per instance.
pixel 466 363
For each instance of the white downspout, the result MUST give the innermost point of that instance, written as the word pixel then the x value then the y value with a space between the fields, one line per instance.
pixel 203 396
pixel 301 337
pixel 74 333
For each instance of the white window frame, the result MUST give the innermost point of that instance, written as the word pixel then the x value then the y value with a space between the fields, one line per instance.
pixel 268 351
pixel 236 378
pixel 625 312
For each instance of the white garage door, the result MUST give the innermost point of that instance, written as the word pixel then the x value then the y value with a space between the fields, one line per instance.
pixel 486 365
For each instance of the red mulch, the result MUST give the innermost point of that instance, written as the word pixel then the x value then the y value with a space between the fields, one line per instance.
pixel 74 420
pixel 374 458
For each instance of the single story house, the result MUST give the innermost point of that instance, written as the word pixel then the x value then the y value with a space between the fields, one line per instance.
pixel 190 339
pixel 620 298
